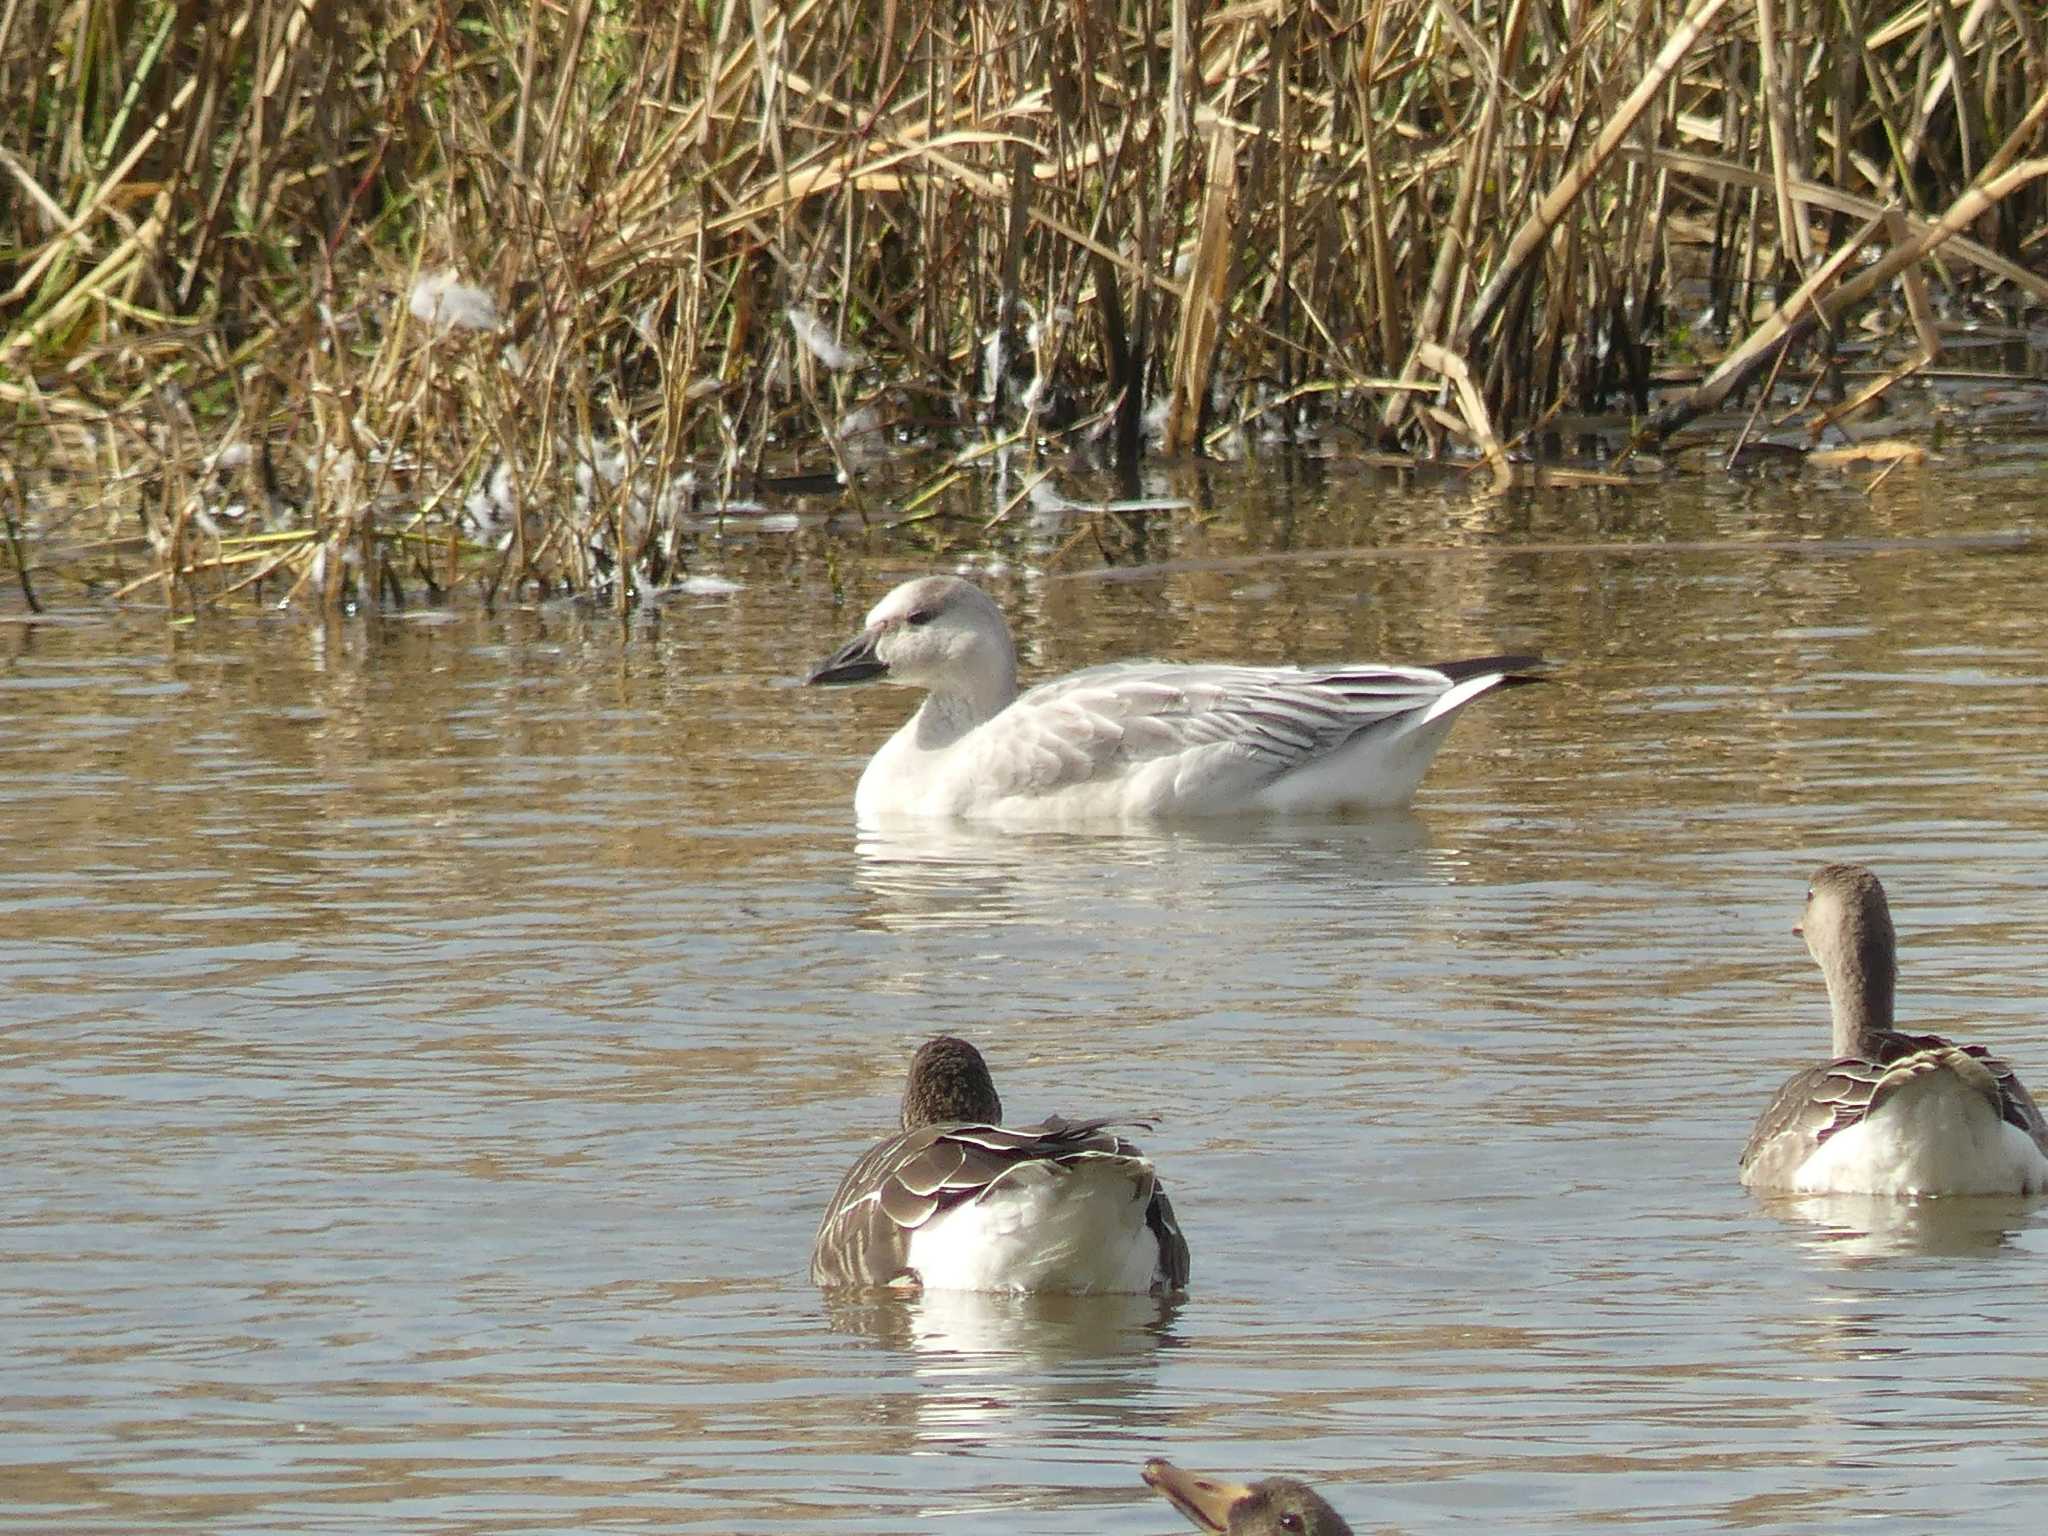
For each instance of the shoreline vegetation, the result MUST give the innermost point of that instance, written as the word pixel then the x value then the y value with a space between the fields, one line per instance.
pixel 332 306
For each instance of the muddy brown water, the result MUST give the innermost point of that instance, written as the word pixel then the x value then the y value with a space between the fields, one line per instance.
pixel 426 1044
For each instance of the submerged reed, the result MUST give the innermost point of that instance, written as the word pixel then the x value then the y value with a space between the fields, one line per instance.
pixel 331 303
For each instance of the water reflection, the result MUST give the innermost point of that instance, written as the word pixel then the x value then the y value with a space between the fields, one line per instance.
pixel 991 1367
pixel 1857 1228
pixel 963 875
pixel 1029 1330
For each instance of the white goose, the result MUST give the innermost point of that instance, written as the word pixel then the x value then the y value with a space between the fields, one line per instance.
pixel 1892 1114
pixel 960 1201
pixel 1135 740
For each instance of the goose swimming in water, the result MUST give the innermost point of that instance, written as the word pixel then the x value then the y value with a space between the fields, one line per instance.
pixel 1136 740
pixel 1892 1113
pixel 1278 1506
pixel 959 1201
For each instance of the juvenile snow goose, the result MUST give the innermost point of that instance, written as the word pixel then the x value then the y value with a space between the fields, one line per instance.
pixel 1135 740
pixel 1892 1114
pixel 1278 1506
pixel 959 1201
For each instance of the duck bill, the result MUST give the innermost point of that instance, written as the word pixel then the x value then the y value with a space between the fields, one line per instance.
pixel 1204 1500
pixel 853 662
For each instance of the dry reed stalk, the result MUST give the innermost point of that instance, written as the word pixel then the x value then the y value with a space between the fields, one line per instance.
pixel 1809 307
pixel 1799 312
pixel 225 212
pixel 1918 307
pixel 1472 410
pixel 1780 113
pixel 15 501
pixel 1813 195
pixel 1530 237
pixel 1875 389
pixel 1202 305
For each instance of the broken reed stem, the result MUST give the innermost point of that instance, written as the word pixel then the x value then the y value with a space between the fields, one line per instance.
pixel 1810 306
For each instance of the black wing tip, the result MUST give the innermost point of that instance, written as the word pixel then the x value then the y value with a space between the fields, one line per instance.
pixel 1516 669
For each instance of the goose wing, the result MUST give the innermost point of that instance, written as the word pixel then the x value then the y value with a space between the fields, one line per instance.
pixel 1173 1245
pixel 900 1184
pixel 1812 1106
pixel 2019 1107
pixel 2016 1106
pixel 1815 1104
pixel 1210 727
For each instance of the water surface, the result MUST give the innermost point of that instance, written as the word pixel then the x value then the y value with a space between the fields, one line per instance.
pixel 426 1043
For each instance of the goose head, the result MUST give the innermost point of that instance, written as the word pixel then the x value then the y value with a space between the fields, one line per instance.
pixel 938 633
pixel 1278 1506
pixel 949 1085
pixel 1848 930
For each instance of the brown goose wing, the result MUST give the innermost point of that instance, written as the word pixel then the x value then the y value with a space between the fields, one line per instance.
pixel 2015 1103
pixel 1808 1109
pixel 2016 1106
pixel 900 1184
pixel 862 1241
pixel 1820 1101
pixel 1173 1246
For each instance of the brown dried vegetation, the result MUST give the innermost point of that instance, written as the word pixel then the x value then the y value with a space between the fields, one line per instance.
pixel 704 233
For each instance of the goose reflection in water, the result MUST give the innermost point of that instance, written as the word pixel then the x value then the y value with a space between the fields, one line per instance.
pixel 952 875
pixel 993 1369
pixel 1854 1228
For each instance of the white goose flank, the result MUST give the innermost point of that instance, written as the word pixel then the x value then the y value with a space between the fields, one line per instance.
pixel 1136 740
pixel 1892 1113
pixel 959 1201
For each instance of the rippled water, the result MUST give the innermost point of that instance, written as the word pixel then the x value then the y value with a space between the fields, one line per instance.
pixel 426 1045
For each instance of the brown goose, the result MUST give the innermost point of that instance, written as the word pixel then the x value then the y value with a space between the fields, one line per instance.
pixel 1279 1506
pixel 959 1201
pixel 1892 1114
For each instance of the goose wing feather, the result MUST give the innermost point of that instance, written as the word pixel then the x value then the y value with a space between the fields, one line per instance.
pixel 2016 1104
pixel 900 1184
pixel 1813 1105
pixel 1249 724
pixel 1173 1245
pixel 1821 1101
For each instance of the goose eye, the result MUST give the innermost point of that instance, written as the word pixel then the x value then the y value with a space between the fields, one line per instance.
pixel 1291 1522
pixel 921 617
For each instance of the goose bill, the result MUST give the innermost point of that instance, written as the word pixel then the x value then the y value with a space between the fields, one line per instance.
pixel 853 662
pixel 1204 1500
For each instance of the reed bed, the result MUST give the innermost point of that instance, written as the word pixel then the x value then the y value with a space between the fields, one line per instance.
pixel 334 305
